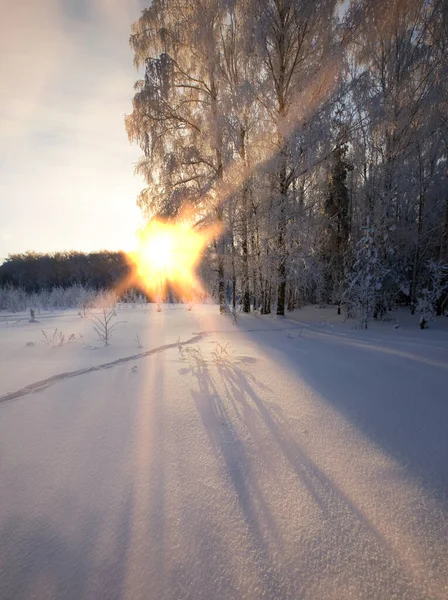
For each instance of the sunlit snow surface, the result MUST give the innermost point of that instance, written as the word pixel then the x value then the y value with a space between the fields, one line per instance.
pixel 306 460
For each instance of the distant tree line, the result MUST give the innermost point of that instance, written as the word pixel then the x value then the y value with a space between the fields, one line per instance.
pixel 34 271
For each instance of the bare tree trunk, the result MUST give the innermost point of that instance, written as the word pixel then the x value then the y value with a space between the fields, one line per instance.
pixel 291 299
pixel 256 270
pixel 244 242
pixel 281 90
pixel 219 210
pixel 262 294
pixel 265 294
pixel 255 288
pixel 233 274
pixel 444 244
pixel 444 238
pixel 415 267
pixel 266 310
pixel 281 291
pixel 220 258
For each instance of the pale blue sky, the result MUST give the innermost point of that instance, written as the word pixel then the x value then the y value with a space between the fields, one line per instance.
pixel 66 166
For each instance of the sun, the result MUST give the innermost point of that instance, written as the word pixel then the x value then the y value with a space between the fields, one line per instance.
pixel 157 253
pixel 168 254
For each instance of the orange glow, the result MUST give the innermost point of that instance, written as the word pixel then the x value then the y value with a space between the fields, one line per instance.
pixel 168 253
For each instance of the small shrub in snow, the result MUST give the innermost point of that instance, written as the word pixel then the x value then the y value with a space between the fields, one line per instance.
pixel 104 324
pixel 195 357
pixel 57 339
pixel 220 353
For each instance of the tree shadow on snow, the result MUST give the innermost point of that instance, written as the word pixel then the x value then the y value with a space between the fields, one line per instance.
pixel 224 419
pixel 229 447
pixel 397 401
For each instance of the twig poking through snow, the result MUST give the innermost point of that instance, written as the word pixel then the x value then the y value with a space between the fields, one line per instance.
pixel 57 339
pixel 219 353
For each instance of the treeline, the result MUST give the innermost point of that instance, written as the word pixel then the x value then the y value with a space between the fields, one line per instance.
pixel 34 272
pixel 315 132
pixel 67 279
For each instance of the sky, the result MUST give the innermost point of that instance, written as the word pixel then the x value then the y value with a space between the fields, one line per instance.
pixel 66 166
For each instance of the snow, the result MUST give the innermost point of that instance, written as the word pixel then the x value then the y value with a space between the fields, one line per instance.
pixel 22 364
pixel 309 461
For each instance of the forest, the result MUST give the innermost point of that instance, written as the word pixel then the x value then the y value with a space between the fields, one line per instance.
pixel 314 133
pixel 33 271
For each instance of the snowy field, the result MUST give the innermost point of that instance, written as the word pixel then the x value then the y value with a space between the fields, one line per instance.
pixel 273 458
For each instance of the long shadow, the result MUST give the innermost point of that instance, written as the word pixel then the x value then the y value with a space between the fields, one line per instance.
pixel 344 520
pixel 399 404
pixel 323 491
pixel 230 448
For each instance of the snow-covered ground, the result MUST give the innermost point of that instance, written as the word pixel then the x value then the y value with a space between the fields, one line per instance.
pixel 275 458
